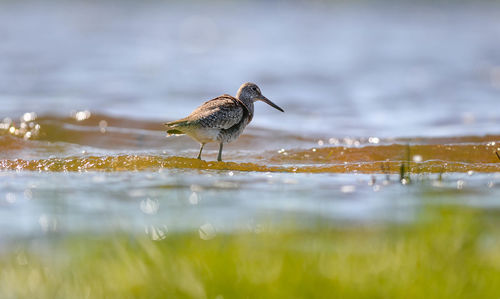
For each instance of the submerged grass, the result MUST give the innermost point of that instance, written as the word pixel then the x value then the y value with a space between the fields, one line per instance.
pixel 404 169
pixel 447 253
pixel 145 162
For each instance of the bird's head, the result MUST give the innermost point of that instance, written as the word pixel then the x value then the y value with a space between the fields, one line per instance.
pixel 250 92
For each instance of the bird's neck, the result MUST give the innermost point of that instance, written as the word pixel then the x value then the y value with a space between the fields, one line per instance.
pixel 249 104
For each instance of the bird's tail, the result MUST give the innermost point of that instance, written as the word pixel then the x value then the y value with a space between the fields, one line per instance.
pixel 174 132
pixel 172 127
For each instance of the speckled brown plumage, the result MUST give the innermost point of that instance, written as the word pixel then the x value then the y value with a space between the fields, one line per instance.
pixel 222 119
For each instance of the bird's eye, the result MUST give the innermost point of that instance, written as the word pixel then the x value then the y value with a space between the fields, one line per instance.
pixel 254 88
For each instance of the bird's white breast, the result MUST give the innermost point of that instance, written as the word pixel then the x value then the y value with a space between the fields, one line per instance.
pixel 204 135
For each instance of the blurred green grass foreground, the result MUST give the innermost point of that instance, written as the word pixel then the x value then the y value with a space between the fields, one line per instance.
pixel 446 253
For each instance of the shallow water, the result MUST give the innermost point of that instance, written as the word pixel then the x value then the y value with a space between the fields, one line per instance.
pixel 366 89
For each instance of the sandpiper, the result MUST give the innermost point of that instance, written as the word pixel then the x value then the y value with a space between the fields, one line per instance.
pixel 221 119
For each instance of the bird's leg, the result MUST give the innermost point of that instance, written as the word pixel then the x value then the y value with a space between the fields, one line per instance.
pixel 219 157
pixel 201 149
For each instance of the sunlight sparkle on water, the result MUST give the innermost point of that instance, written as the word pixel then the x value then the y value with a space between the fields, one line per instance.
pixel 193 198
pixel 207 231
pixel 149 206
pixel 348 189
pixel 156 233
pixel 103 126
pixel 417 158
pixel 28 116
pixel 82 115
pixel 333 141
pixel 47 223
pixel 27 128
pixel 10 198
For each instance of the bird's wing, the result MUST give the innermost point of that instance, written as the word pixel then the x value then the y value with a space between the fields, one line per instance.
pixel 220 113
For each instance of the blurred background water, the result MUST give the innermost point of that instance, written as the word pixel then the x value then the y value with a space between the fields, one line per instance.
pixel 343 72
pixel 375 68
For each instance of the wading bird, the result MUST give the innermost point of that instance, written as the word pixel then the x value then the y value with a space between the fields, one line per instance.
pixel 222 119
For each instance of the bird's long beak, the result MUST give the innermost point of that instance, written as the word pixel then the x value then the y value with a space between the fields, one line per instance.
pixel 267 101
